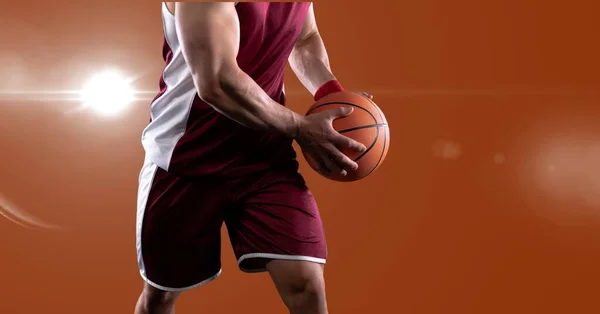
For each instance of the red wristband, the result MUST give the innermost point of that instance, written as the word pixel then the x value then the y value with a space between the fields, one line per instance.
pixel 330 87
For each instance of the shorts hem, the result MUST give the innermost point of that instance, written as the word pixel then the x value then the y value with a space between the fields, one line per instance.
pixel 203 282
pixel 270 256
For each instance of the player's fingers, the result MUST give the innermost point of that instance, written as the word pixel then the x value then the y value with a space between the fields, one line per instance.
pixel 340 112
pixel 341 161
pixel 342 141
pixel 334 165
pixel 367 95
pixel 323 164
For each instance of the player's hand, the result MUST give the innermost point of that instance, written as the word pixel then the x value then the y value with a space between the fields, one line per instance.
pixel 319 140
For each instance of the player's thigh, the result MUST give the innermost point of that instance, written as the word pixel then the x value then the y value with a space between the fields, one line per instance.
pixel 178 230
pixel 276 218
pixel 290 276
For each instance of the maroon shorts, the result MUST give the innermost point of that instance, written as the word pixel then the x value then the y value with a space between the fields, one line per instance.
pixel 179 219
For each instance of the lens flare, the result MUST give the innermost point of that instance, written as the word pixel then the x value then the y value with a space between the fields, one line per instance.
pixel 21 217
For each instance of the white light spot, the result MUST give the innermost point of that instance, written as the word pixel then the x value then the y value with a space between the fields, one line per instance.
pixel 107 93
pixel 446 150
pixel 499 158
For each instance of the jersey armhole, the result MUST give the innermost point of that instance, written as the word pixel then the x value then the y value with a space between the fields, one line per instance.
pixel 173 13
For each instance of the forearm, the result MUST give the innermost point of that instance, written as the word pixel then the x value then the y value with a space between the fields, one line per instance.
pixel 310 63
pixel 236 95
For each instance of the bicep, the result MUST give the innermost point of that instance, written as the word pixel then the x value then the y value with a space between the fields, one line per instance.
pixel 209 36
pixel 310 25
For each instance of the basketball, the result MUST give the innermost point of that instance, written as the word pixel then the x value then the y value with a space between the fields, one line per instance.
pixel 366 124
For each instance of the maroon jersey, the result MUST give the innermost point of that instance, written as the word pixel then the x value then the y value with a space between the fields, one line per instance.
pixel 187 136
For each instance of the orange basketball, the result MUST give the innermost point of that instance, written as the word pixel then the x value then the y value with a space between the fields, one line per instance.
pixel 366 124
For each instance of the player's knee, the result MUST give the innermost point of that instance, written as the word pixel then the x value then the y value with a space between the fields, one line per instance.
pixel 305 292
pixel 154 300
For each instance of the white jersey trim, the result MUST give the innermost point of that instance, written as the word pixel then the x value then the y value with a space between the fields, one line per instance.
pixel 170 111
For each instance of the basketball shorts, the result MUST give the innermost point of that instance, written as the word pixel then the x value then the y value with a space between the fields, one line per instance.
pixel 179 219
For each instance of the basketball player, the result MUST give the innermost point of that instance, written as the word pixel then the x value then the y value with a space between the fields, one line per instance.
pixel 219 150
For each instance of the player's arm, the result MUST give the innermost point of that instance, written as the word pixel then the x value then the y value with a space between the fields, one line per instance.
pixel 209 35
pixel 309 59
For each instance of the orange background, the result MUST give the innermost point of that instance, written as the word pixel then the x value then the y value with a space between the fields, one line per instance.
pixel 488 202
